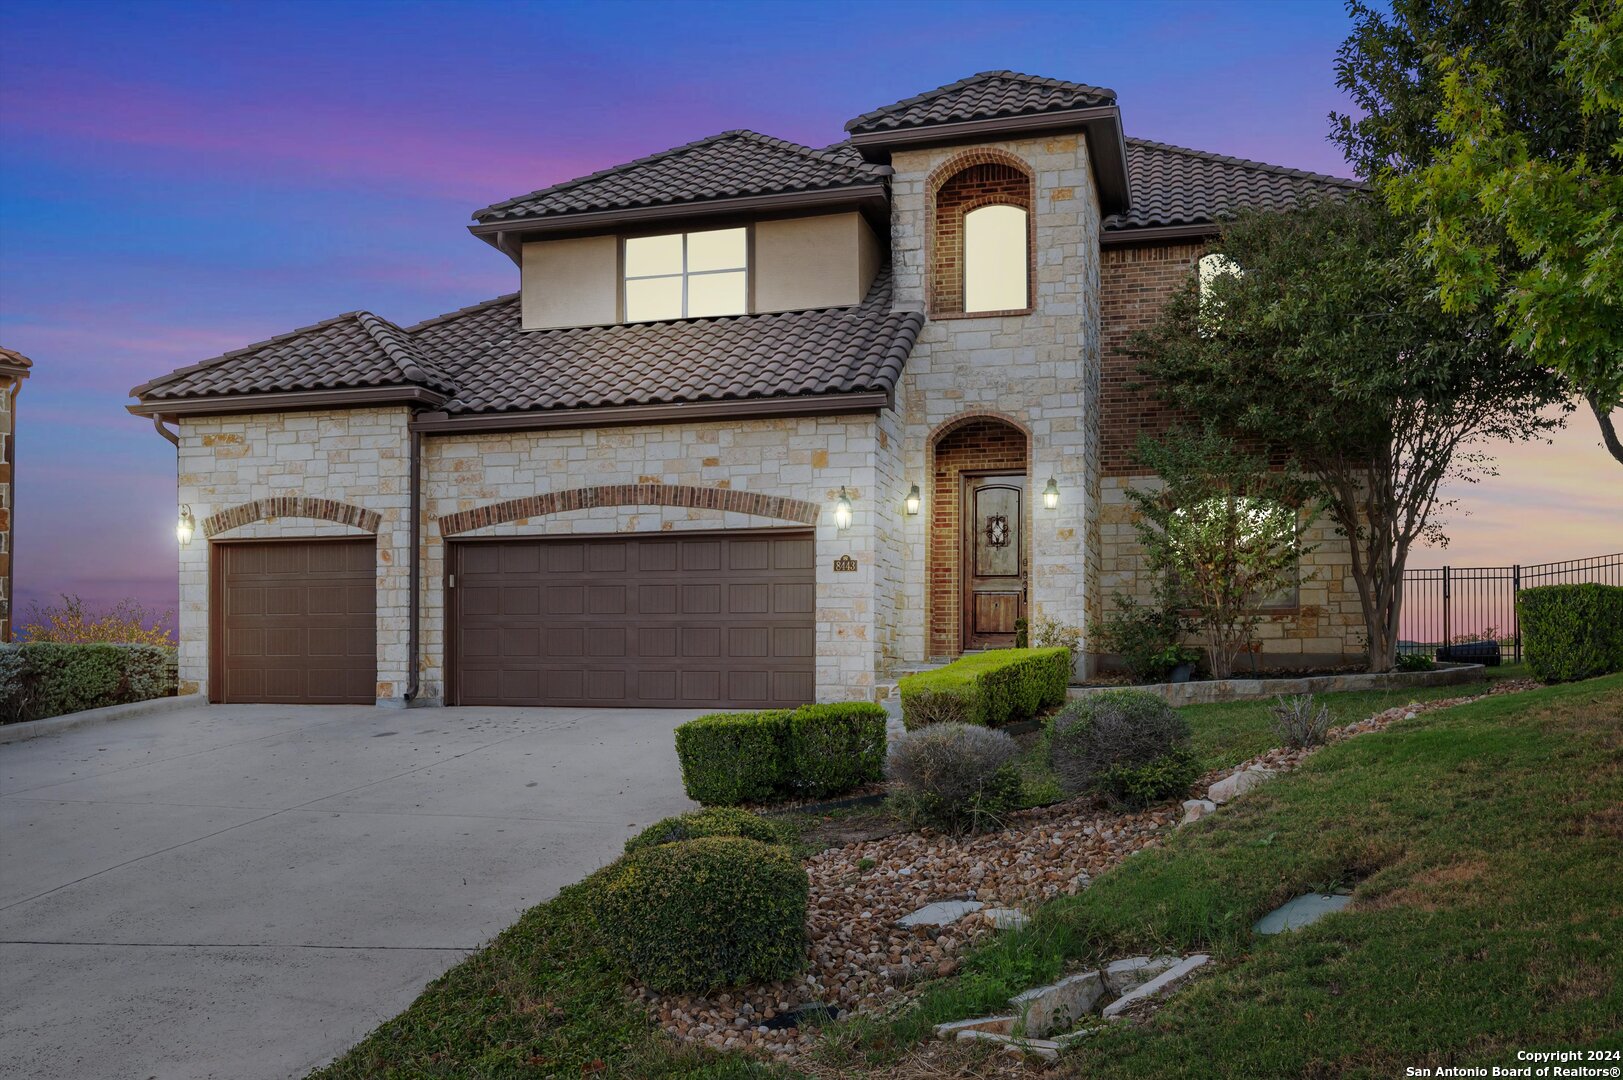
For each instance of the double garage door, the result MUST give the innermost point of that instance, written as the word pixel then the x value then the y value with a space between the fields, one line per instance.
pixel 692 621
pixel 689 621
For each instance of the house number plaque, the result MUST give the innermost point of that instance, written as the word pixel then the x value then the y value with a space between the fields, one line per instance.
pixel 845 564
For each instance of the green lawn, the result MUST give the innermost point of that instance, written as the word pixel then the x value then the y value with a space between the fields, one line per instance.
pixel 1484 840
pixel 1485 844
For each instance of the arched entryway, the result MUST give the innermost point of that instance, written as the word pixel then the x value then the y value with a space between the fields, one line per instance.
pixel 979 545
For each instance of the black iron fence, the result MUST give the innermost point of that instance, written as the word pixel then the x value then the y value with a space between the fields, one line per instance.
pixel 1478 603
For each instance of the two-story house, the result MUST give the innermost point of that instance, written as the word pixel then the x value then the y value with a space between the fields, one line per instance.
pixel 761 424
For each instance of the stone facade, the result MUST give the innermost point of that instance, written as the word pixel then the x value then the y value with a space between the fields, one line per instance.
pixel 354 457
pixel 1039 371
pixel 785 464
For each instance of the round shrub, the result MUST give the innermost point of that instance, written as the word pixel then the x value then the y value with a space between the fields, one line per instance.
pixel 712 821
pixel 954 777
pixel 1128 744
pixel 707 913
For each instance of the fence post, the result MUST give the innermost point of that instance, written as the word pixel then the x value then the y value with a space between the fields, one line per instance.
pixel 1515 615
pixel 1447 633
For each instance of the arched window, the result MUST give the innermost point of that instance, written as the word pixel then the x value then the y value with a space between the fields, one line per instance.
pixel 996 273
pixel 981 237
pixel 1209 270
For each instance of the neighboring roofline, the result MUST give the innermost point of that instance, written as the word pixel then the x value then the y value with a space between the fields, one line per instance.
pixel 853 195
pixel 1149 234
pixel 290 401
pixel 440 423
pixel 1107 147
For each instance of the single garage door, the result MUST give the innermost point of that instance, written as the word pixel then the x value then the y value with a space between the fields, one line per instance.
pixel 663 621
pixel 295 622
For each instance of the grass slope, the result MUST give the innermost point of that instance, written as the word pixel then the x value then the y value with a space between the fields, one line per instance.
pixel 1487 844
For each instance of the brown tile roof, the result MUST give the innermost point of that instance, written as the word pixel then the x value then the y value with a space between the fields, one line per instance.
pixel 1173 185
pixel 13 359
pixel 987 96
pixel 731 164
pixel 481 356
pixel 349 350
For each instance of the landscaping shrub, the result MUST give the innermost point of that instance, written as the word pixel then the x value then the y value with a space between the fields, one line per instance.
pixel 830 749
pixel 1414 661
pixel 996 687
pixel 45 678
pixel 815 751
pixel 1138 786
pixel 712 821
pixel 707 913
pixel 1115 743
pixel 1571 632
pixel 729 758
pixel 954 777
pixel 1145 637
pixel 1299 721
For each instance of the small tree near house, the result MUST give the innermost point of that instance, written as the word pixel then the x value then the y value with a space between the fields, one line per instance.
pixel 1225 529
pixel 1330 345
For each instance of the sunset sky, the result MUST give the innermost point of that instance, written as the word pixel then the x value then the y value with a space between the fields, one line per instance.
pixel 177 180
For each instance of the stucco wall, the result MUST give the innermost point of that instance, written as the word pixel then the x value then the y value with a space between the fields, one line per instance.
pixel 1040 370
pixel 358 457
pixel 802 458
pixel 571 282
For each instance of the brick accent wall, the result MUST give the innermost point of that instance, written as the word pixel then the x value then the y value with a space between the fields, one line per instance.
pixel 644 494
pixel 976 178
pixel 976 443
pixel 1134 284
pixel 293 506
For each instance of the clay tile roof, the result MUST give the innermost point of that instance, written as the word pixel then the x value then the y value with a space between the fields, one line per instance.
pixel 1173 185
pixel 731 164
pixel 14 360
pixel 784 354
pixel 987 96
pixel 482 357
pixel 349 350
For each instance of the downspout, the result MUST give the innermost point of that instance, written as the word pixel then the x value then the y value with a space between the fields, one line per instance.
pixel 414 440
pixel 174 437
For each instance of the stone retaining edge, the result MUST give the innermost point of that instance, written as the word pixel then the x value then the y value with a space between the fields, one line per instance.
pixel 1212 690
pixel 52 725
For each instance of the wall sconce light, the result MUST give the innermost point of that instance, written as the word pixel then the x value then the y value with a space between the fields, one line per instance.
pixel 912 503
pixel 842 510
pixel 185 526
pixel 1051 494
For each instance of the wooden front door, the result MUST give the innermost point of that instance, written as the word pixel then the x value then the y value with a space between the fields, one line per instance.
pixel 994 559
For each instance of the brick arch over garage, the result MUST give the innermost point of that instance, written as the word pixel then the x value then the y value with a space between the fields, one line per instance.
pixel 588 498
pixel 971 441
pixel 292 506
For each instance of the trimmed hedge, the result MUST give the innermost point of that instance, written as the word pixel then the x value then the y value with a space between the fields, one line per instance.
pixel 48 678
pixel 707 913
pixel 712 821
pixel 991 689
pixel 1571 632
pixel 814 751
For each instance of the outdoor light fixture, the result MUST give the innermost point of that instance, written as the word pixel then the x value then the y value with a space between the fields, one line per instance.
pixel 1051 494
pixel 842 510
pixel 913 500
pixel 185 526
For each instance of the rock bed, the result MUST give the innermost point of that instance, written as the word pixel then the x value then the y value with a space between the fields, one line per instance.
pixel 860 958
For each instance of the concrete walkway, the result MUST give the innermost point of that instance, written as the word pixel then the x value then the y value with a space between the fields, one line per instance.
pixel 245 891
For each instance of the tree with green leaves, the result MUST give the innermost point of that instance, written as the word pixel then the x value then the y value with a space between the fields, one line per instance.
pixel 1499 126
pixel 1328 343
pixel 1224 529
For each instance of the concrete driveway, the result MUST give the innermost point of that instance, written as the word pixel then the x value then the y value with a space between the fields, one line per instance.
pixel 245 891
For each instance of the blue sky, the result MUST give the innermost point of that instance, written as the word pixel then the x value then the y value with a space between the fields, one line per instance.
pixel 180 179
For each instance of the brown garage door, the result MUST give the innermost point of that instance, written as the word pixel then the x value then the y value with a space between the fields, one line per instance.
pixel 295 622
pixel 669 621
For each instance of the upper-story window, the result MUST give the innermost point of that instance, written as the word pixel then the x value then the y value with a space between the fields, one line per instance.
pixel 981 238
pixel 686 275
pixel 995 270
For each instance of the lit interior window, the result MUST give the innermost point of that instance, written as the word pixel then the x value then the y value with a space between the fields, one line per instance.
pixel 1208 271
pixel 995 270
pixel 686 275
